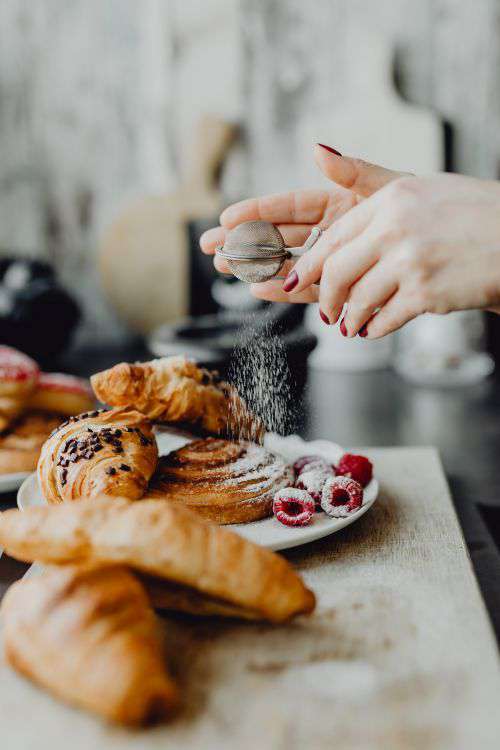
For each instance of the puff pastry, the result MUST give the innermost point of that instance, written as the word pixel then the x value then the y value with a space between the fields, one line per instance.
pixel 98 453
pixel 223 481
pixel 18 379
pixel 61 393
pixel 21 443
pixel 165 541
pixel 176 390
pixel 91 638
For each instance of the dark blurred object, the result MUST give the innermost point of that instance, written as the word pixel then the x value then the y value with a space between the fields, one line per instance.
pixel 202 273
pixel 211 339
pixel 37 316
pixel 493 337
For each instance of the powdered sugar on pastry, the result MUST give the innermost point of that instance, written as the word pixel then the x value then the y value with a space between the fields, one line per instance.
pixel 224 481
pixel 176 390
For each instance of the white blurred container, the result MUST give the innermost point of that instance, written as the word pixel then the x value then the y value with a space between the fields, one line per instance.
pixel 336 353
pixel 444 350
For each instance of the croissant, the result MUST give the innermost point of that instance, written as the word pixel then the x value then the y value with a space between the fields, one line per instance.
pixel 162 540
pixel 98 453
pixel 91 638
pixel 168 596
pixel 176 390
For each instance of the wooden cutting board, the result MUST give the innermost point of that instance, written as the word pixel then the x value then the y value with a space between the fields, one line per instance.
pixel 371 120
pixel 144 253
pixel 399 655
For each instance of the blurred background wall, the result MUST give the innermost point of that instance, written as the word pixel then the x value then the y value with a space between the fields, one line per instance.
pixel 99 99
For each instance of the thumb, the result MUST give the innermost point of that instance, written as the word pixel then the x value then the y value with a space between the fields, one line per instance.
pixel 358 175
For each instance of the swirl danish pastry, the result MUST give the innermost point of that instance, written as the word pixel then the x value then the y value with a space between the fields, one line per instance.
pixel 176 390
pixel 223 481
pixel 98 453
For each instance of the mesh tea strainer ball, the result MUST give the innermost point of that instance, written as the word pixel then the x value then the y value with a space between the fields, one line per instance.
pixel 255 250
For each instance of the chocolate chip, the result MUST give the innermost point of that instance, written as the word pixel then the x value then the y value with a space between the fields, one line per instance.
pixel 98 448
pixel 93 414
pixel 124 467
pixel 118 433
pixel 117 449
pixel 111 471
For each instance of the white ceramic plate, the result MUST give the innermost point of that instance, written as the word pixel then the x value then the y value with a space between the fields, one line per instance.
pixel 11 482
pixel 269 532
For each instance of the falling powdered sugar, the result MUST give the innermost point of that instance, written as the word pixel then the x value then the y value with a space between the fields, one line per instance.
pixel 260 372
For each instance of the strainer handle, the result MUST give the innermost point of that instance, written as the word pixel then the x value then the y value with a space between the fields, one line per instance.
pixel 296 252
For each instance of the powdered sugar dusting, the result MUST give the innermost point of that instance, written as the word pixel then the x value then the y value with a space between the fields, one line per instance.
pixel 259 370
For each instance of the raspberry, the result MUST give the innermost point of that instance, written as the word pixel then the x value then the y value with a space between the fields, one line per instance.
pixel 303 463
pixel 341 496
pixel 359 468
pixel 313 483
pixel 293 507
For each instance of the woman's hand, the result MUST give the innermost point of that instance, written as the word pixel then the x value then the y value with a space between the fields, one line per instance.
pixel 418 245
pixel 297 212
pixel 415 245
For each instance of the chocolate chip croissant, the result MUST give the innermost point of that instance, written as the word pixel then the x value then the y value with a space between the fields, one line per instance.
pixel 176 390
pixel 91 638
pixel 98 453
pixel 214 570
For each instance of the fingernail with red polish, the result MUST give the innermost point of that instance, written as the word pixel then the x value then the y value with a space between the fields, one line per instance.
pixel 291 281
pixel 330 149
pixel 363 332
pixel 324 318
pixel 343 329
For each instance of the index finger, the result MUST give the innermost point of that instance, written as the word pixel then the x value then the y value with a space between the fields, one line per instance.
pixel 296 207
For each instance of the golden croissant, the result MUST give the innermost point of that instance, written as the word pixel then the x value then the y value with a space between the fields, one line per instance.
pixel 176 390
pixel 91 638
pixel 98 453
pixel 163 540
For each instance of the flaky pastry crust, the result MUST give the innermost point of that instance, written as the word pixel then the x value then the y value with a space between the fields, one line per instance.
pixel 98 453
pixel 221 480
pixel 162 540
pixel 176 390
pixel 90 637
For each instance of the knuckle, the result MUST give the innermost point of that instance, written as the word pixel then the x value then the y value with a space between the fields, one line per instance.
pixel 361 303
pixel 401 195
pixel 404 187
pixel 308 267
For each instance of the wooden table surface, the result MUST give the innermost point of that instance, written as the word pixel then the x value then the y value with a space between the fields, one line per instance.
pixel 380 409
pixel 400 653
